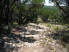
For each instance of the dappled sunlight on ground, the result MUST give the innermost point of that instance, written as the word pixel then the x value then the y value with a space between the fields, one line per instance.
pixel 37 38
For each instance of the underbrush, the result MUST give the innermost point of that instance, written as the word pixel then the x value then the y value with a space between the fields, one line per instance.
pixel 59 34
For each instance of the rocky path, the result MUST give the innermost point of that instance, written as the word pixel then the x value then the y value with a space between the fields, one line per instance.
pixel 32 39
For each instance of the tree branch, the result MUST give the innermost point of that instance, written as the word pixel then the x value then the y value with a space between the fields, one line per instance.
pixel 57 4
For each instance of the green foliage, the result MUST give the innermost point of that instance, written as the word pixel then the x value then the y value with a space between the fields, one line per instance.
pixel 50 13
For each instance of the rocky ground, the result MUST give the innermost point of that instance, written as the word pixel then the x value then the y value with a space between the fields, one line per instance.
pixel 33 38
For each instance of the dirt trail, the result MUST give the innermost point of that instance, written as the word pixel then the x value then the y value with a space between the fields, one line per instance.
pixel 30 39
pixel 34 32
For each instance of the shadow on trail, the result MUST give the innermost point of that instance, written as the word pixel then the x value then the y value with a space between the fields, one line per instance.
pixel 18 38
pixel 13 39
pixel 20 29
pixel 63 37
pixel 3 50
